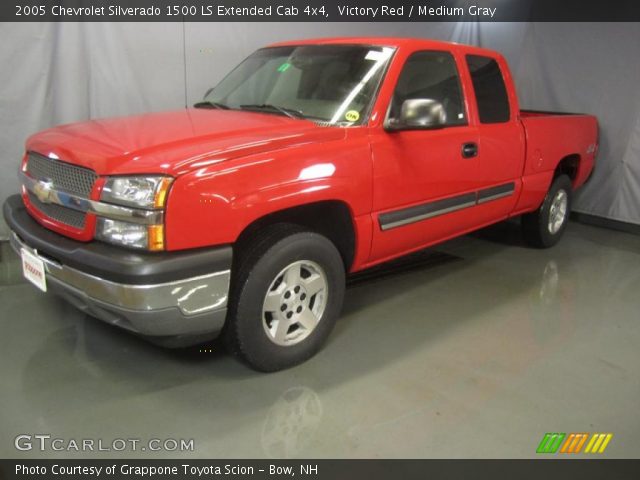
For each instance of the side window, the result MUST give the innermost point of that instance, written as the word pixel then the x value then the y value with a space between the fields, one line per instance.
pixel 491 93
pixel 431 75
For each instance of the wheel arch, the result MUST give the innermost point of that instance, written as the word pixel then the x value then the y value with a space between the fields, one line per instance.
pixel 568 165
pixel 331 218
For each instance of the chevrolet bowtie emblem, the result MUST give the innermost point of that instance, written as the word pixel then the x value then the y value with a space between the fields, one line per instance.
pixel 43 189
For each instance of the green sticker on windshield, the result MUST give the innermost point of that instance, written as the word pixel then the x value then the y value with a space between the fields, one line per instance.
pixel 284 67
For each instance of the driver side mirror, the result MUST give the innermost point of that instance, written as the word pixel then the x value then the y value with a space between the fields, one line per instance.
pixel 418 113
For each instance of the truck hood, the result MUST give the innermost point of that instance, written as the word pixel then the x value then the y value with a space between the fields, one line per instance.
pixel 174 142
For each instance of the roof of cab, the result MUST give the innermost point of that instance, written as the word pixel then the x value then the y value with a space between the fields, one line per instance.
pixel 397 42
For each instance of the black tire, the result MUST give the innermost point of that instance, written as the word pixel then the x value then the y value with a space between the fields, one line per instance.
pixel 259 262
pixel 535 226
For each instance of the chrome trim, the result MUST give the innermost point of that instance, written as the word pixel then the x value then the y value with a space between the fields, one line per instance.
pixel 192 296
pixel 134 215
pixel 46 194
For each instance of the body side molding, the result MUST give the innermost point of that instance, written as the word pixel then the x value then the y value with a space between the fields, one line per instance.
pixel 417 213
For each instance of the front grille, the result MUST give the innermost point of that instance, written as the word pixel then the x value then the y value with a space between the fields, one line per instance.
pixel 64 176
pixel 68 216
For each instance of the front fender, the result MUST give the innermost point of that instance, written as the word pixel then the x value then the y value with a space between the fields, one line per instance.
pixel 213 205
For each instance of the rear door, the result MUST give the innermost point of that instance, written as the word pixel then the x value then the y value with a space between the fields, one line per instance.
pixel 501 136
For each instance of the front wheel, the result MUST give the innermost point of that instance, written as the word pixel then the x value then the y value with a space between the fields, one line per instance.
pixel 544 227
pixel 287 294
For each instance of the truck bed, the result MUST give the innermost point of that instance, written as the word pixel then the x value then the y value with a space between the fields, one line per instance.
pixel 553 136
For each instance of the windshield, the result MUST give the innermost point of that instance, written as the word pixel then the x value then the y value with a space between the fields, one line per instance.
pixel 328 83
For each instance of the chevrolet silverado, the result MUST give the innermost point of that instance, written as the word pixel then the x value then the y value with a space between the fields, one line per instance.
pixel 240 217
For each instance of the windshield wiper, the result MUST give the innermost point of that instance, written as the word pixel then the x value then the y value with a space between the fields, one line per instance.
pixel 209 104
pixel 289 112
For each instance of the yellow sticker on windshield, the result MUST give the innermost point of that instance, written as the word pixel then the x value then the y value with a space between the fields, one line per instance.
pixel 352 115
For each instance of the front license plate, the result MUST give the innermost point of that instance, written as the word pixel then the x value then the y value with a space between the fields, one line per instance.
pixel 33 270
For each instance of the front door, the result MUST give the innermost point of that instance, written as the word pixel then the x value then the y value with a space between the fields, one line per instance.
pixel 425 180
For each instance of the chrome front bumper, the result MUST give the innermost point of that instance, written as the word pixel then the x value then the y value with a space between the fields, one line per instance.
pixel 191 306
pixel 166 306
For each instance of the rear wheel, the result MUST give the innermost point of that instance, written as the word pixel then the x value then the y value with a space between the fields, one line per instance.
pixel 287 294
pixel 544 227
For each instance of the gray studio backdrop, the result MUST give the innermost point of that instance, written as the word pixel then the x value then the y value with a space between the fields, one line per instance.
pixel 65 72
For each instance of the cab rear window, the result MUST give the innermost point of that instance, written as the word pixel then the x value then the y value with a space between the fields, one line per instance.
pixel 490 90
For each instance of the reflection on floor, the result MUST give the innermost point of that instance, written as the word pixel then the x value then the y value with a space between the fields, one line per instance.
pixel 474 351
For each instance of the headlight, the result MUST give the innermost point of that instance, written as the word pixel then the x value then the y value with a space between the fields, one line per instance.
pixel 133 235
pixel 142 192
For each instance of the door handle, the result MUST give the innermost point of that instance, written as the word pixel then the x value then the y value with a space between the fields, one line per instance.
pixel 469 150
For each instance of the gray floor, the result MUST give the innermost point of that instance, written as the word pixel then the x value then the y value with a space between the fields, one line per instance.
pixel 476 353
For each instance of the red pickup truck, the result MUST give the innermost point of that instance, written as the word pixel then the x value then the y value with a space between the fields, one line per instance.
pixel 240 217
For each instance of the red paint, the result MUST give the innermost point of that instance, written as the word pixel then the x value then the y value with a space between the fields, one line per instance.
pixel 234 167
